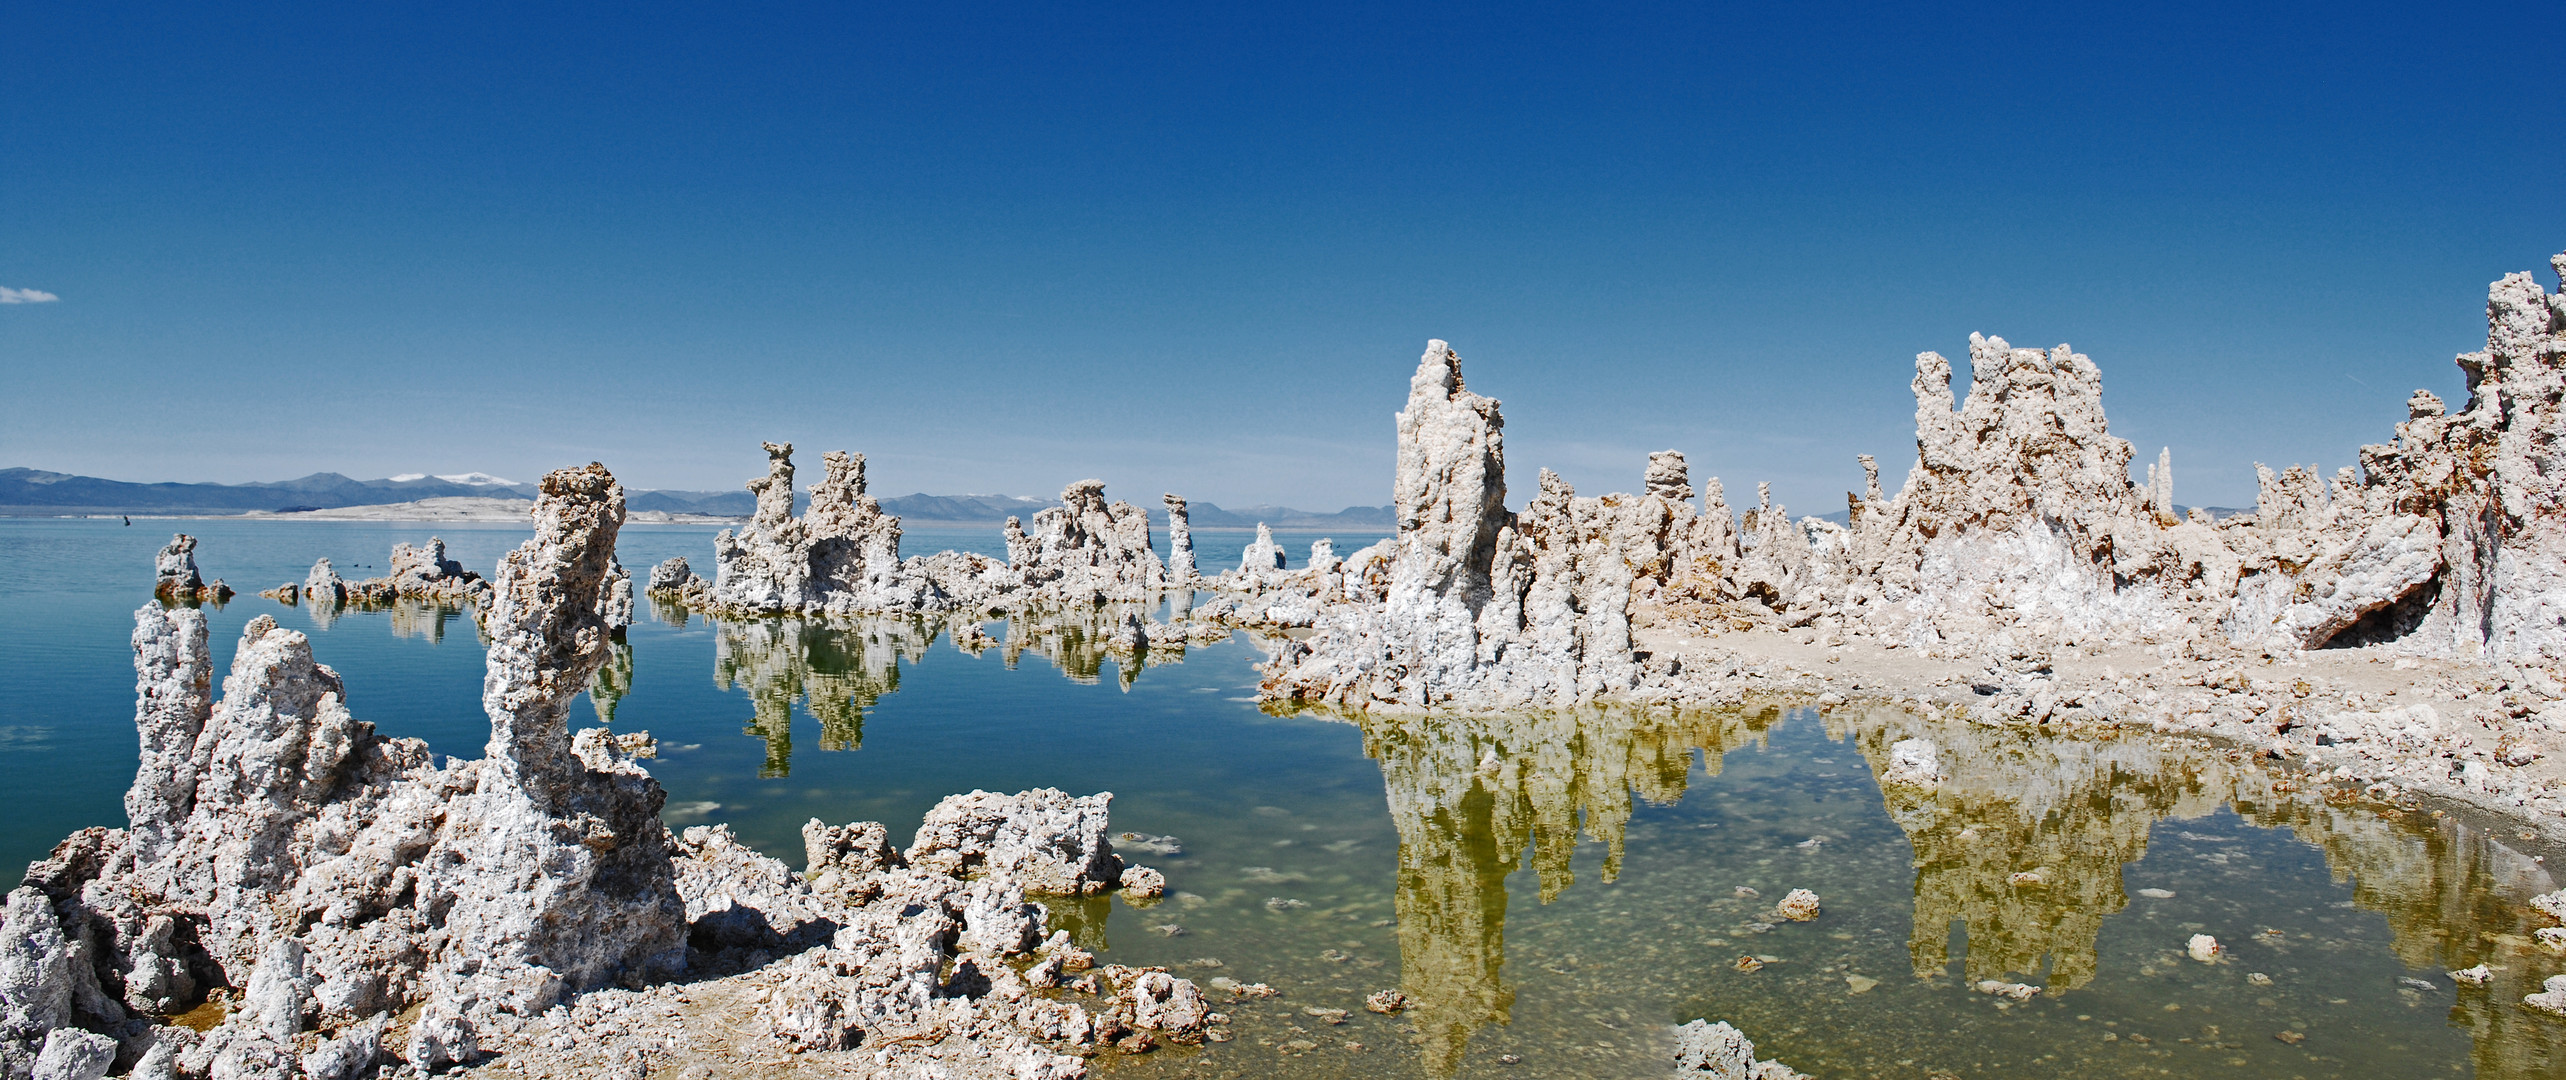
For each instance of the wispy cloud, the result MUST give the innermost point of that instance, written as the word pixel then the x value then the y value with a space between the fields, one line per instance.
pixel 25 296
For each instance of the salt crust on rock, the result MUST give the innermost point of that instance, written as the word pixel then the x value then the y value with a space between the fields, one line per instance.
pixel 176 577
pixel 1721 1052
pixel 372 908
pixel 2019 529
pixel 419 572
pixel 842 556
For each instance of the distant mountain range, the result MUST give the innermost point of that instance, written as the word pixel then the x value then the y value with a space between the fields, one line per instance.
pixel 36 493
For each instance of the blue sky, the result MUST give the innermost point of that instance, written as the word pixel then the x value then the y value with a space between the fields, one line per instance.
pixel 1199 248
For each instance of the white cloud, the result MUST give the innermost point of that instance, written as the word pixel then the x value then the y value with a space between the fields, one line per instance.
pixel 25 296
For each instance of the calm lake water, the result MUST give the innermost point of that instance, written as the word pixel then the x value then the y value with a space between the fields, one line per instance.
pixel 1551 891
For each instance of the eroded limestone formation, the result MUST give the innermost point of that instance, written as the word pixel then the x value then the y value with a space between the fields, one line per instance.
pixel 2018 529
pixel 176 577
pixel 1087 551
pixel 330 880
pixel 1472 601
pixel 1180 542
pixel 842 556
pixel 419 572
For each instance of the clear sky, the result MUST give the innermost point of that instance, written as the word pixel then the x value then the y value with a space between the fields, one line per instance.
pixel 1199 248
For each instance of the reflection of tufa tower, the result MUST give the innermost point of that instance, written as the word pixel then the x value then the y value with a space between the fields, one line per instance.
pixel 2024 839
pixel 838 670
pixel 613 680
pixel 1468 795
pixel 2076 811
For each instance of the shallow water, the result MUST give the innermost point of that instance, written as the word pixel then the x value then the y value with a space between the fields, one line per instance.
pixel 1552 888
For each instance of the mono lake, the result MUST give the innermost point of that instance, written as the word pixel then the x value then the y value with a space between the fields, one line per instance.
pixel 1551 891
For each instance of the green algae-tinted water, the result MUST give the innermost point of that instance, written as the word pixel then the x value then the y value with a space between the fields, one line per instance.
pixel 1551 891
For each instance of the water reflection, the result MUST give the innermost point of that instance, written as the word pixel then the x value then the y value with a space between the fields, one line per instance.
pixel 408 618
pixel 1078 641
pixel 1470 794
pixel 837 668
pixel 2022 847
pixel 612 682
pixel 2023 840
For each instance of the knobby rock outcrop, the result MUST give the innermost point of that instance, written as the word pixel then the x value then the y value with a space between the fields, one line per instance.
pixel 2018 529
pixel 842 556
pixel 364 904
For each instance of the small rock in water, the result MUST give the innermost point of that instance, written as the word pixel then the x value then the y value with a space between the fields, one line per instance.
pixel 1859 984
pixel 2257 978
pixel 1155 845
pixel 1385 1002
pixel 1800 905
pixel 2157 894
pixel 1811 844
pixel 1335 956
pixel 1748 964
pixel 2028 879
pixel 1284 903
pixel 1333 1016
pixel 1143 883
pixel 1745 893
pixel 2551 1001
pixel 2475 976
pixel 2204 948
pixel 2015 991
pixel 2554 904
pixel 1169 929
pixel 2419 984
pixel 1721 1052
pixel 2551 938
pixel 2291 1037
pixel 1510 1059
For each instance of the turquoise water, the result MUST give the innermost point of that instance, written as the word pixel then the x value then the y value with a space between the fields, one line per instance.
pixel 1554 889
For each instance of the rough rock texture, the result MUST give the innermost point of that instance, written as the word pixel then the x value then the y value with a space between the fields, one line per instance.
pixel 615 598
pixel 2018 530
pixel 1261 554
pixel 671 578
pixel 1180 541
pixel 1472 601
pixel 176 578
pixel 1045 839
pixel 842 555
pixel 1718 1050
pixel 1087 551
pixel 417 573
pixel 363 904
pixel 276 843
pixel 323 585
